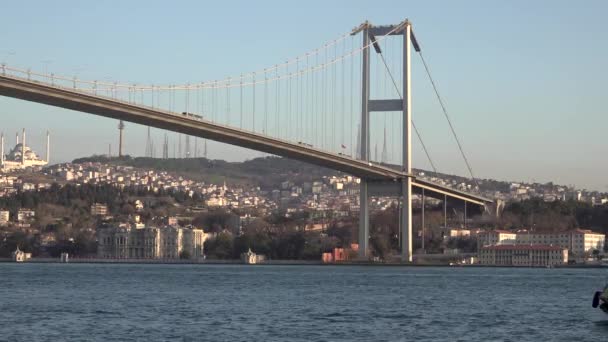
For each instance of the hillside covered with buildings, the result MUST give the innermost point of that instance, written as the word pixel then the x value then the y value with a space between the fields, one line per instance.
pixel 199 208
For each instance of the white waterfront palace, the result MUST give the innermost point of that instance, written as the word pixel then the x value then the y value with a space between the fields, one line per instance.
pixel 22 156
pixel 150 243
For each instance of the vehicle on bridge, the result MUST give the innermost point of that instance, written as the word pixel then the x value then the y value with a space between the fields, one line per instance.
pixel 304 144
pixel 193 116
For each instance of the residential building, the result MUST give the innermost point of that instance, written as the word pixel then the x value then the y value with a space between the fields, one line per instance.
pixel 99 209
pixel 456 233
pixel 25 215
pixel 585 241
pixel 172 221
pixel 496 237
pixel 579 242
pixel 4 217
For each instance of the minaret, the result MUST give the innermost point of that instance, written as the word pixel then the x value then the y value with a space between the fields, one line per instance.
pixel 48 147
pixel 195 147
pixel 179 146
pixel 166 147
pixel 148 145
pixel 17 138
pixel 121 127
pixel 187 148
pixel 2 149
pixel 23 148
pixel 205 149
pixel 376 152
pixel 358 149
pixel 384 157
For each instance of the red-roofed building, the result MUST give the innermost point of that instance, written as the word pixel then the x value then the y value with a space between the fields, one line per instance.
pixel 523 255
pixel 579 242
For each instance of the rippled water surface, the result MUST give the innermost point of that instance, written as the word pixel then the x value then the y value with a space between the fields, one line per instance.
pixel 91 302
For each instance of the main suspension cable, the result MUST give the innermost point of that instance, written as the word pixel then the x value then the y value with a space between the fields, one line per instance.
pixel 447 117
pixel 428 156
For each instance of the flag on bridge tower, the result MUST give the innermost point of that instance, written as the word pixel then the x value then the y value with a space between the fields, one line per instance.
pixel 343 146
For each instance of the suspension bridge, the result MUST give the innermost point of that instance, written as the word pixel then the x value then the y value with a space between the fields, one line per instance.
pixel 314 108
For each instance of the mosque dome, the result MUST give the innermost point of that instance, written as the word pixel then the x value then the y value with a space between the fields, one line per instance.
pixel 16 152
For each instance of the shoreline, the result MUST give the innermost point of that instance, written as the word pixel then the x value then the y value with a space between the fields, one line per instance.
pixel 270 263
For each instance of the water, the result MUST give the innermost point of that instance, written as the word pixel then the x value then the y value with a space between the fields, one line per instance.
pixel 94 302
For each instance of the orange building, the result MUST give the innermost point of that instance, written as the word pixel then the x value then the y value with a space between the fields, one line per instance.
pixel 338 254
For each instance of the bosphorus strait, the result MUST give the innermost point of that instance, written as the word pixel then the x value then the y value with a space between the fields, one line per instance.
pixel 130 302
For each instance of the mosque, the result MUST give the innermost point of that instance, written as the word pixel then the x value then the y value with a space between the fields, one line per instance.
pixel 22 156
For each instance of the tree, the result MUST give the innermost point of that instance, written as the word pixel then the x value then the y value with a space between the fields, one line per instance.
pixel 185 255
pixel 380 245
pixel 220 247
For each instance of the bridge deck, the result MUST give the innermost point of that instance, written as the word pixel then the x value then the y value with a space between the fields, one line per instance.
pixel 85 102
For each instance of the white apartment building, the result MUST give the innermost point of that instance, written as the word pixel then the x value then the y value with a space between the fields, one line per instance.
pixel 578 242
pixel 4 216
pixel 99 209
pixel 496 237
pixel 25 214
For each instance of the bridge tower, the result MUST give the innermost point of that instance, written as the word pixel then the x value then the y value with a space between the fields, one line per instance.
pixel 401 187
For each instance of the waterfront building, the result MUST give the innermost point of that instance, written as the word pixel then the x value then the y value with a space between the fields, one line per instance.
pixel 523 255
pixel 99 209
pixel 340 254
pixel 337 255
pixel 252 258
pixel 579 242
pixel 21 256
pixel 150 243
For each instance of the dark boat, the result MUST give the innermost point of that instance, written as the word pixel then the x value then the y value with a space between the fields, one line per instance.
pixel 601 299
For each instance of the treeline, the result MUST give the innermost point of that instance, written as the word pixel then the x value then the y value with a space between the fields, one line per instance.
pixel 86 194
pixel 554 216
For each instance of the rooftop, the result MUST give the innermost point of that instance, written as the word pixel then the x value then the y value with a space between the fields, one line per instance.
pixel 524 248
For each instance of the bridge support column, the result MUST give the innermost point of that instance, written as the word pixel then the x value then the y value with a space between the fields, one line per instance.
pixel 406 190
pixel 406 220
pixel 363 220
pixel 423 227
pixel 364 143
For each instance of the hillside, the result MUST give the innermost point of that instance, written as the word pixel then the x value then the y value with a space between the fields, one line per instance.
pixel 265 172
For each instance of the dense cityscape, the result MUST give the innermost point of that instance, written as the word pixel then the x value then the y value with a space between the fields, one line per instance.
pixel 202 210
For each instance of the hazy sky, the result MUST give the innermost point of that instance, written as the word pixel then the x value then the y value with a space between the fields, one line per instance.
pixel 524 81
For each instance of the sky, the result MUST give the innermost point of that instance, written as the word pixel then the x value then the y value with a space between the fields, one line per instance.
pixel 524 81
